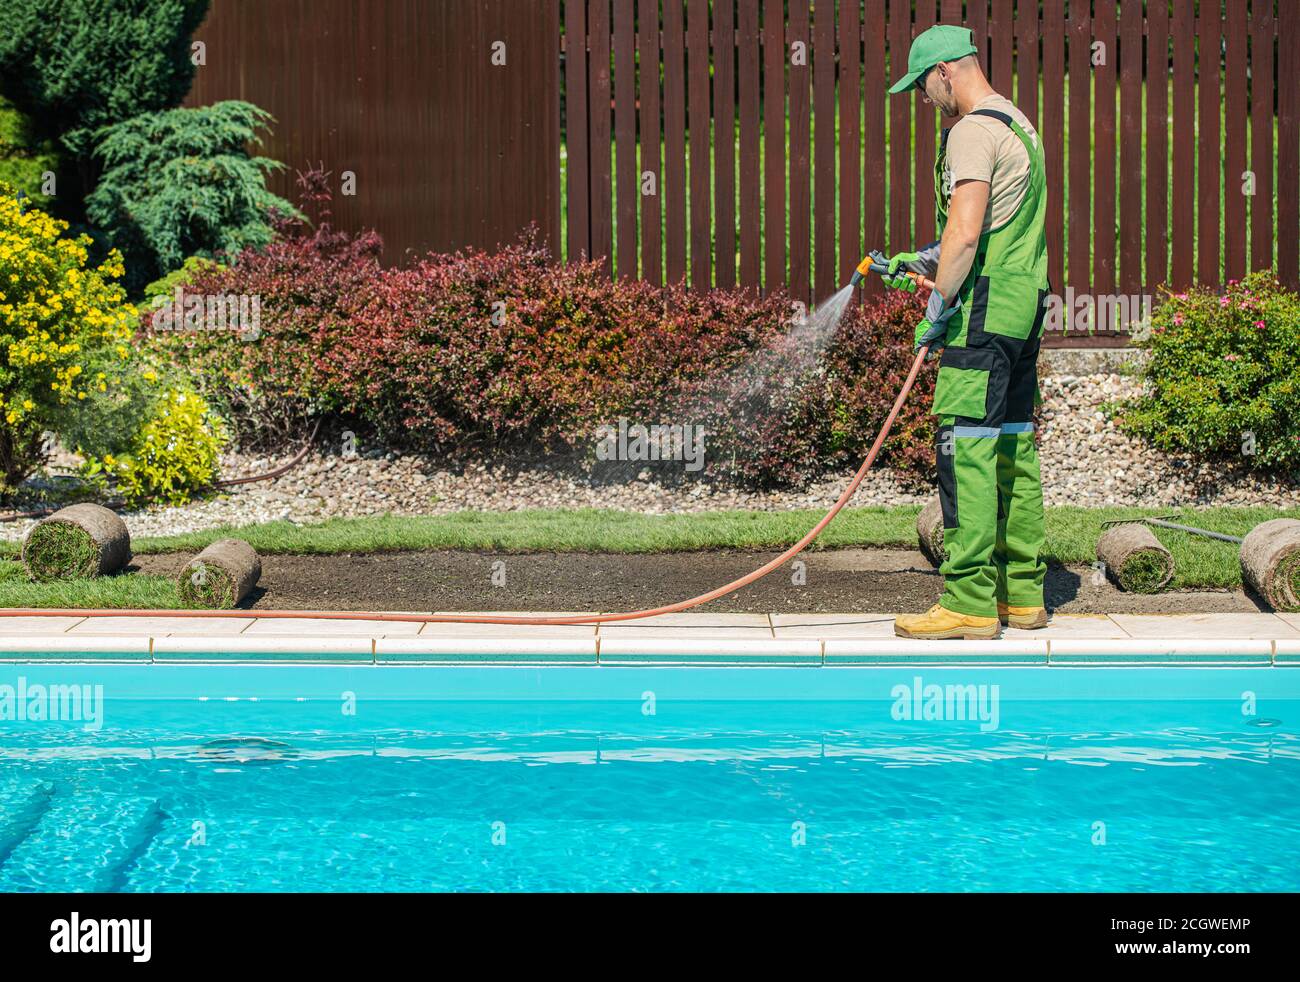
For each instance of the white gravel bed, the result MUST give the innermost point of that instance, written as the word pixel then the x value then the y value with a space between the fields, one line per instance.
pixel 1085 461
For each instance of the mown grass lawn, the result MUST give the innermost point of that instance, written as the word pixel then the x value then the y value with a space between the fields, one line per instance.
pixel 1072 535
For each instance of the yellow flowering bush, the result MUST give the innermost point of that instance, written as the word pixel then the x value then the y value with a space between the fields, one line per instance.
pixel 174 454
pixel 59 317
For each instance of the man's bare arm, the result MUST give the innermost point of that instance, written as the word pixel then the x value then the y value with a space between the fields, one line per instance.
pixel 961 236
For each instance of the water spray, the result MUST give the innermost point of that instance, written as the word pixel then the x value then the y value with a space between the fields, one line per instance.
pixel 875 262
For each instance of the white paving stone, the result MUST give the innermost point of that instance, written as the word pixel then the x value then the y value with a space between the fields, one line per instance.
pixel 512 630
pixel 324 627
pixel 683 625
pixel 163 626
pixel 1205 627
pixel 833 625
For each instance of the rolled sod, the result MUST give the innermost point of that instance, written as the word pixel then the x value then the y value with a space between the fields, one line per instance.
pixel 929 531
pixel 1270 562
pixel 1135 559
pixel 78 541
pixel 221 575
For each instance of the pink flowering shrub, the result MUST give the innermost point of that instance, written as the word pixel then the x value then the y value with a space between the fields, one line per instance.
pixel 1223 377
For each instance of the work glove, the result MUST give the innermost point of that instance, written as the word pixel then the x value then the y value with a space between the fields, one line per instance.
pixel 933 329
pixel 924 261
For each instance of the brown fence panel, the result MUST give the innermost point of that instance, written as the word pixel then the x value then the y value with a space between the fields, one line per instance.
pixel 1103 154
pixel 873 134
pixel 923 157
pixel 674 56
pixel 823 52
pixel 1210 165
pixel 1288 143
pixel 1234 144
pixel 724 145
pixel 747 56
pixel 1183 235
pixel 648 90
pixel 698 63
pixel 1130 148
pixel 900 123
pixel 806 207
pixel 774 142
pixel 625 133
pixel 1262 32
pixel 1002 33
pixel 800 75
pixel 850 110
pixel 602 205
pixel 1080 26
pixel 1027 60
pixel 1053 136
pixel 428 157
pixel 1157 207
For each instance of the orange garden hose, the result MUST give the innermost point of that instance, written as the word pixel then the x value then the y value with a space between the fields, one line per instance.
pixel 673 608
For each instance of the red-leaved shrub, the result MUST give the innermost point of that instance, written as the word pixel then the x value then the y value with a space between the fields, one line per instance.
pixel 480 354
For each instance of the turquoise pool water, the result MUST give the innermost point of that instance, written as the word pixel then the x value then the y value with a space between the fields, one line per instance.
pixel 342 779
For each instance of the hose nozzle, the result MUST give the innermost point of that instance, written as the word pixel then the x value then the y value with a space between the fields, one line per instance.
pixel 873 262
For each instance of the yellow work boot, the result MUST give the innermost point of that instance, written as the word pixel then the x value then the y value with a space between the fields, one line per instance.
pixel 1025 618
pixel 941 624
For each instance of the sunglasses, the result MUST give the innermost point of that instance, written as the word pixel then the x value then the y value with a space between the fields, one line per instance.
pixel 920 82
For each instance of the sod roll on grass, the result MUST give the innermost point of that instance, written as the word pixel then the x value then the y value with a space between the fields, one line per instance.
pixel 221 575
pixel 1135 559
pixel 77 542
pixel 1270 562
pixel 929 531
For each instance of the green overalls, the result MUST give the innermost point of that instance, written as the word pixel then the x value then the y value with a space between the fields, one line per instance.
pixel 989 484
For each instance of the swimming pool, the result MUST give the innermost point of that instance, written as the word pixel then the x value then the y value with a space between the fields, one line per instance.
pixel 364 778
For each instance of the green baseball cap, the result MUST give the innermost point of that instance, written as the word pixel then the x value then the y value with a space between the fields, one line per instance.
pixel 940 43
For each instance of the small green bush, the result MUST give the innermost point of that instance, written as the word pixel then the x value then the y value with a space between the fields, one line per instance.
pixel 174 455
pixel 24 159
pixel 1223 378
pixel 181 183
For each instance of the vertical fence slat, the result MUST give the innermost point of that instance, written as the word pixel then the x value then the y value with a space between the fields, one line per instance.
pixel 1157 208
pixel 698 100
pixel 602 215
pixel 1210 166
pixel 724 140
pixel 1184 144
pixel 648 90
pixel 1080 145
pixel 1288 144
pixel 625 134
pixel 1053 136
pixel 674 189
pixel 923 158
pixel 774 143
pixel 747 51
pixel 1234 146
pixel 873 135
pixel 823 52
pixel 1002 34
pixel 576 123
pixel 1027 63
pixel 850 47
pixel 900 121
pixel 1103 202
pixel 977 19
pixel 800 76
pixel 1262 28
pixel 1130 149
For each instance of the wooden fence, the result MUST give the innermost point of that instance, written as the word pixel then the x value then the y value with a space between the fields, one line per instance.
pixel 445 113
pixel 752 141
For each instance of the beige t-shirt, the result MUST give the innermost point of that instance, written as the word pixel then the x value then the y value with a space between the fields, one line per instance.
pixel 981 148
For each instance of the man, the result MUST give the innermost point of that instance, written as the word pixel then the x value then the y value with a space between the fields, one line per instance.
pixel 990 273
